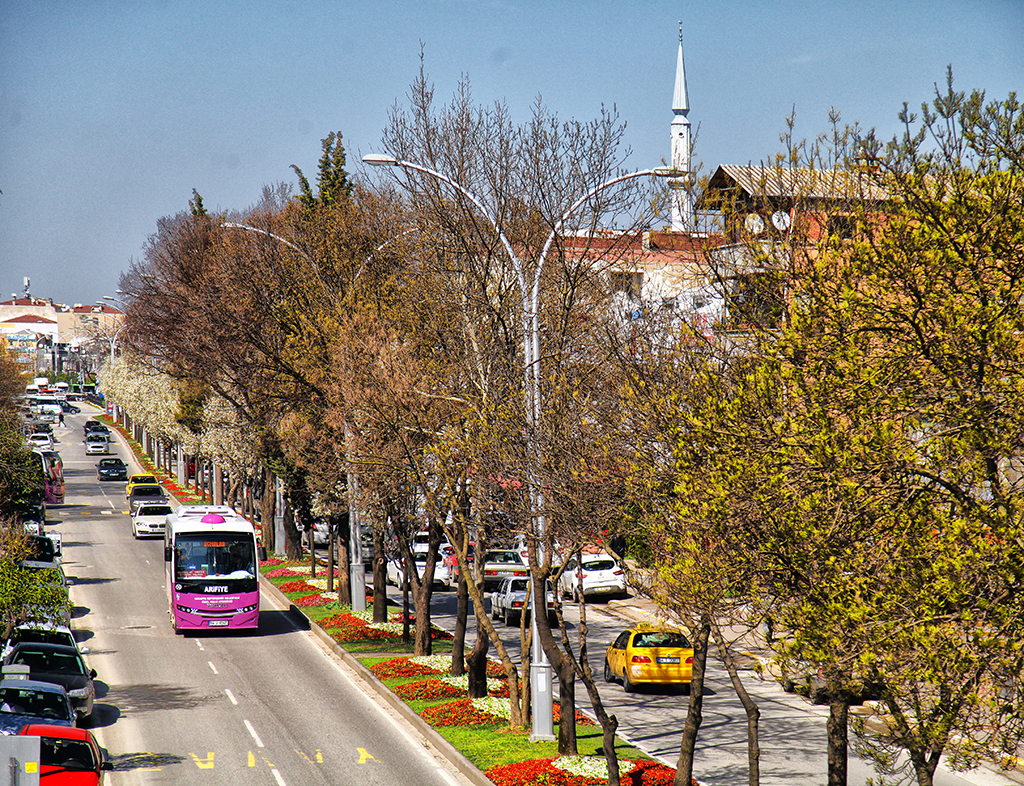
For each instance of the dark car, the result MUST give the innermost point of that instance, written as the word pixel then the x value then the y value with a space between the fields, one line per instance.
pixel 91 424
pixel 60 664
pixel 148 492
pixel 69 409
pixel 68 755
pixel 111 469
pixel 31 701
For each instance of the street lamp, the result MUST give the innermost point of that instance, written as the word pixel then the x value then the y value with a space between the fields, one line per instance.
pixel 540 669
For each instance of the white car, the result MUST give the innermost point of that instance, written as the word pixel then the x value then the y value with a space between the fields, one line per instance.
pixel 442 574
pixel 600 572
pixel 508 599
pixel 41 441
pixel 150 518
pixel 96 444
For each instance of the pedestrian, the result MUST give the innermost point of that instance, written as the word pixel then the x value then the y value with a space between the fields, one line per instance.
pixel 60 418
pixel 618 545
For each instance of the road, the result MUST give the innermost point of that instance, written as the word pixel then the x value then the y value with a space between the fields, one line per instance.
pixel 271 707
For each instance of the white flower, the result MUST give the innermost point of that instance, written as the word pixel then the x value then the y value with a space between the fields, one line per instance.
pixel 590 766
pixel 501 708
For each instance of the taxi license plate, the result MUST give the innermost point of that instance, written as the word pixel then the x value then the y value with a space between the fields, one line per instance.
pixel 222 623
pixel 668 660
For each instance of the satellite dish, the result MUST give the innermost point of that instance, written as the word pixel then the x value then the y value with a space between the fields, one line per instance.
pixel 781 220
pixel 754 224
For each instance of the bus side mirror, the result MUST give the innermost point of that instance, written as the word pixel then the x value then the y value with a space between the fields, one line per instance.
pixel 167 554
pixel 263 553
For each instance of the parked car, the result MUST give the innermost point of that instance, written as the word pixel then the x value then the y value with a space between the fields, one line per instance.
pixel 441 575
pixel 24 702
pixel 96 444
pixel 452 563
pixel 67 756
pixel 508 600
pixel 601 575
pixel 499 564
pixel 146 492
pixel 44 632
pixel 135 480
pixel 111 469
pixel 150 518
pixel 649 654
pixel 41 441
pixel 61 665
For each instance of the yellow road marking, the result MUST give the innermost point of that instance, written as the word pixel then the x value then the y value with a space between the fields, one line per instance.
pixel 364 755
pixel 203 764
pixel 252 759
pixel 319 756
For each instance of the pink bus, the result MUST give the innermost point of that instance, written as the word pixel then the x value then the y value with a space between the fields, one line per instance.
pixel 210 555
pixel 53 476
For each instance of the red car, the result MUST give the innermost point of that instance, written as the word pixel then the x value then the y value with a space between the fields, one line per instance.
pixel 67 756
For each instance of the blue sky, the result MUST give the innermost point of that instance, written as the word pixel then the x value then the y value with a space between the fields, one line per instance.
pixel 112 111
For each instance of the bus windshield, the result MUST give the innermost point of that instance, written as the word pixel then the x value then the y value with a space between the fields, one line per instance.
pixel 220 555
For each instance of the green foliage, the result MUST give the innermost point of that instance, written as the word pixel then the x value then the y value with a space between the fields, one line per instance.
pixel 332 181
pixel 27 594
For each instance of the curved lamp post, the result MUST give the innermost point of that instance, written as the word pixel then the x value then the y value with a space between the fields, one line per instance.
pixel 540 670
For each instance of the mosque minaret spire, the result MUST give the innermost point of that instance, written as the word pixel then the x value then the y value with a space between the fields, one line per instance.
pixel 682 208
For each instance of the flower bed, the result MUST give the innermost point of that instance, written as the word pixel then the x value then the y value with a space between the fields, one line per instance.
pixel 427 690
pixel 580 771
pixel 463 712
pixel 401 667
pixel 297 586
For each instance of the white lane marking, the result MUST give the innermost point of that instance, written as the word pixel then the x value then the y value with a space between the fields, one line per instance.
pixel 231 696
pixel 278 778
pixel 212 667
pixel 255 736
pixel 106 512
pixel 199 644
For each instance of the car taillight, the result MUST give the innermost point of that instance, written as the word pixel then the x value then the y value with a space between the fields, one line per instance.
pixel 519 573
pixel 516 604
pixel 641 659
pixel 690 659
pixel 617 573
pixel 490 572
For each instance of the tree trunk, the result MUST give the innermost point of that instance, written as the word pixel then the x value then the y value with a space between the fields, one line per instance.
pixel 694 717
pixel 477 663
pixel 292 536
pixel 331 532
pixel 380 577
pixel 458 667
pixel 749 707
pixel 838 712
pixel 423 644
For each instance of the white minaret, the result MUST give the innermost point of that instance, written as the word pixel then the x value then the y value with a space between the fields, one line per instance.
pixel 682 208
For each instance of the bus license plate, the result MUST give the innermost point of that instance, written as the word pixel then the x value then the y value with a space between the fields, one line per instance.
pixel 222 623
pixel 660 660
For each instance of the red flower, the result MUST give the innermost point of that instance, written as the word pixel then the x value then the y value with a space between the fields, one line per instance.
pixel 427 689
pixel 400 667
pixel 297 586
pixel 459 713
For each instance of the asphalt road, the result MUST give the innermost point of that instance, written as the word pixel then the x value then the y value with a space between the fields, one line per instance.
pixel 270 707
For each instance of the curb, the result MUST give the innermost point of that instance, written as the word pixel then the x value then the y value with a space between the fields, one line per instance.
pixel 454 757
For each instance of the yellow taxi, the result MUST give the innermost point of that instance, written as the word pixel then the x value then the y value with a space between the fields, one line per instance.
pixel 649 654
pixel 135 480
